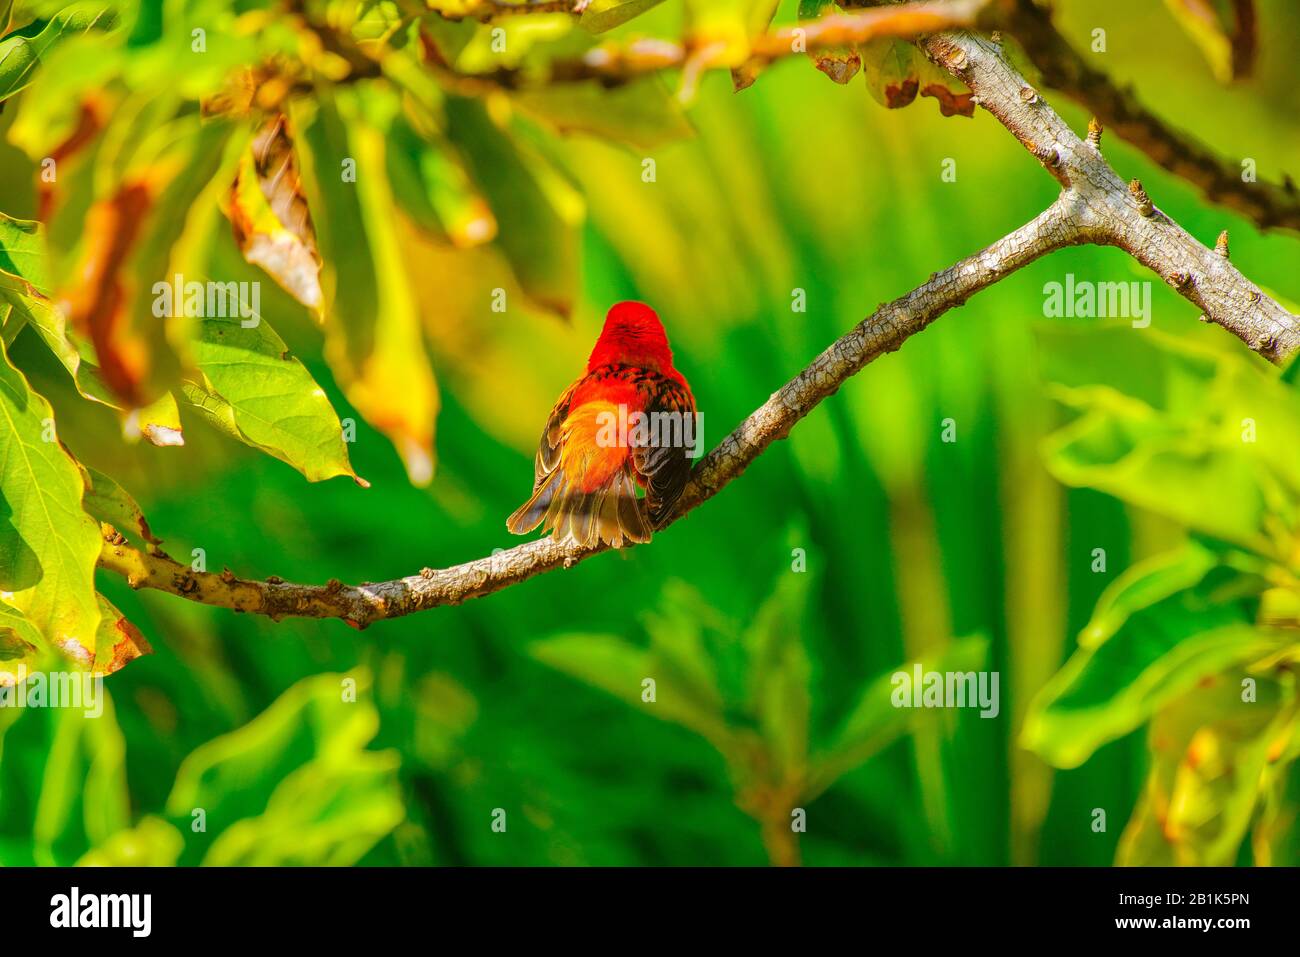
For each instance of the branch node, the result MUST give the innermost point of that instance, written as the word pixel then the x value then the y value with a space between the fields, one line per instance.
pixel 1095 129
pixel 1028 94
pixel 1144 204
pixel 228 576
pixel 1221 245
pixel 1180 280
pixel 426 573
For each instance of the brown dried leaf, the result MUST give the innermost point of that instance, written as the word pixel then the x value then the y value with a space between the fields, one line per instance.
pixel 269 213
pixel 96 304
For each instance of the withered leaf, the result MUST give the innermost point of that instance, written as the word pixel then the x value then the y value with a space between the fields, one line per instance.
pixel 896 72
pixel 96 303
pixel 269 213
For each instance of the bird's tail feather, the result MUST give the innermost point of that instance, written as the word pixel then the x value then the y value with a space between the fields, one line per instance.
pixel 611 514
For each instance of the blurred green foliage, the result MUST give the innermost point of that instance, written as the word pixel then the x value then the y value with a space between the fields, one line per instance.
pixel 244 741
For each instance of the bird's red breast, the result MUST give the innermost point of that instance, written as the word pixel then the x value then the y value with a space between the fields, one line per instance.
pixel 591 458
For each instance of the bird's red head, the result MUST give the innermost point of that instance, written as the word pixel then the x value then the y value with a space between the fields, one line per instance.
pixel 633 335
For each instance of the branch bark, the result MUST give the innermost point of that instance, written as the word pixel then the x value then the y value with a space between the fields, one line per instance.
pixel 1095 206
pixel 1268 205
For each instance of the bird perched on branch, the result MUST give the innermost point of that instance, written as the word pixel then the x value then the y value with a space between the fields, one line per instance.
pixel 629 421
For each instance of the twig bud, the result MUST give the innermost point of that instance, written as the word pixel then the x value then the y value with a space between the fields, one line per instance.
pixel 1221 245
pixel 1094 132
pixel 1144 204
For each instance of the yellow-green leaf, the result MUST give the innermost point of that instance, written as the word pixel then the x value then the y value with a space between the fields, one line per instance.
pixel 48 545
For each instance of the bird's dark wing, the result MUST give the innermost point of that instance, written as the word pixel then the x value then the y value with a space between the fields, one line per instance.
pixel 664 464
pixel 548 448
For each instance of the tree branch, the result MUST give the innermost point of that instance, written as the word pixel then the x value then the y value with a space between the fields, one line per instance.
pixel 1269 206
pixel 613 63
pixel 1094 206
pixel 883 331
pixel 1107 211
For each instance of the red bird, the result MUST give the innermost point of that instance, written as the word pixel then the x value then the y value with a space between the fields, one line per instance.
pixel 630 421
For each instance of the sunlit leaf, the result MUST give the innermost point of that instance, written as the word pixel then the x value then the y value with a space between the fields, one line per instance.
pixel 117 642
pixel 21 51
pixel 296 784
pixel 20 644
pixel 374 341
pixel 1106 692
pixel 159 421
pixel 255 391
pixel 48 545
pixel 107 501
pixel 22 252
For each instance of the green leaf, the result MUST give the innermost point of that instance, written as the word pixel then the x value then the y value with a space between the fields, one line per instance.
pixel 1211 754
pixel 1105 692
pixel 374 340
pixel 296 784
pixel 151 843
pixel 107 501
pixel 22 50
pixel 643 115
pixel 117 641
pixel 1199 436
pixel 255 391
pixel 602 15
pixel 320 816
pixel 20 644
pixel 22 251
pixel 48 545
